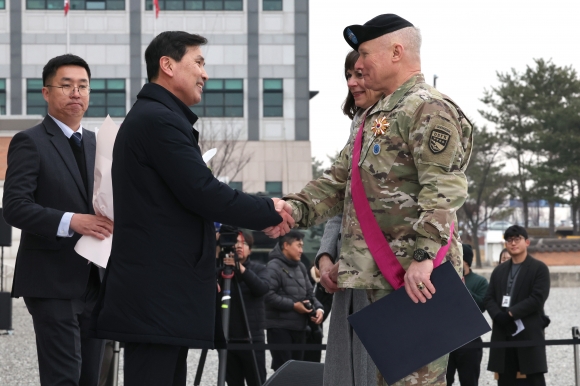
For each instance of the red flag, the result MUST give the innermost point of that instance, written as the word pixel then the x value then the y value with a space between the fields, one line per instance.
pixel 67 6
pixel 156 5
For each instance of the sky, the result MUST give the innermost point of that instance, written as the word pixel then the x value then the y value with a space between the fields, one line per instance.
pixel 465 43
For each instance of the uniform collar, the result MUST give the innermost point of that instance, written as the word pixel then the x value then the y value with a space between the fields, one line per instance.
pixel 388 102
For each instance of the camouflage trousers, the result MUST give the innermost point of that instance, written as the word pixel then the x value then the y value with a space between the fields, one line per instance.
pixel 432 374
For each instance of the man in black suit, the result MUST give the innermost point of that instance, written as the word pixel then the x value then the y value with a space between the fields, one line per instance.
pixel 516 294
pixel 48 194
pixel 159 290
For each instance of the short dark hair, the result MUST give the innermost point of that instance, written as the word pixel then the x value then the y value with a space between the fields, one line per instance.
pixel 514 231
pixel 170 43
pixel 248 238
pixel 291 237
pixel 50 69
pixel 348 106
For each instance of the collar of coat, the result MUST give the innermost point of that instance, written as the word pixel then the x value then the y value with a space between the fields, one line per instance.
pixel 388 102
pixel 162 95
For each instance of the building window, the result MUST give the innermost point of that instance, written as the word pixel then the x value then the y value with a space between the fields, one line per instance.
pixel 107 97
pixel 273 98
pixel 2 4
pixel 221 98
pixel 271 5
pixel 35 103
pixel 274 188
pixel 197 5
pixel 77 4
pixel 238 185
pixel 2 96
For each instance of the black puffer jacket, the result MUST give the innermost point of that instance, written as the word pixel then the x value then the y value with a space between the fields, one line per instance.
pixel 289 284
pixel 254 284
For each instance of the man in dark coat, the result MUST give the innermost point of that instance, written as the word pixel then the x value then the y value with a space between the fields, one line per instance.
pixel 249 284
pixel 290 288
pixel 159 290
pixel 517 292
pixel 467 360
pixel 48 194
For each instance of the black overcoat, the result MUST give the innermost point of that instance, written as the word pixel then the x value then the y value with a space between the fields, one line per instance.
pixel 160 283
pixel 532 287
pixel 43 182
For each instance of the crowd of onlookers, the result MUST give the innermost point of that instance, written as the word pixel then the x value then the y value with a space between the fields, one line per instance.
pixel 285 304
pixel 514 299
pixel 282 298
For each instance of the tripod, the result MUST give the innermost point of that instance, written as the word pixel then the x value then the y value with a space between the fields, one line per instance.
pixel 227 276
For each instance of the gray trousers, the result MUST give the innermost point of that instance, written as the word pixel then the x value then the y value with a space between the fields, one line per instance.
pixel 347 362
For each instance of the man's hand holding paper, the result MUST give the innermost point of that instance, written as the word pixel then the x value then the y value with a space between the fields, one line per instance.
pixel 97 226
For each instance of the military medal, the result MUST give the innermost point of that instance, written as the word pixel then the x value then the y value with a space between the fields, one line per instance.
pixel 380 126
pixel 376 149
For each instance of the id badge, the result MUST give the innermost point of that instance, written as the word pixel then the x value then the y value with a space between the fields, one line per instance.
pixel 505 301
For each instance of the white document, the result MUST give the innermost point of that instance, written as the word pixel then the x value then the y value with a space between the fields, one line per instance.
pixel 89 247
pixel 208 155
pixel 520 326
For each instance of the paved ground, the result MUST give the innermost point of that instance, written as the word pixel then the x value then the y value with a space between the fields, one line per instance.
pixel 18 364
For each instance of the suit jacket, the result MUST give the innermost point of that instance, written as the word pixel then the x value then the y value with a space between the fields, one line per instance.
pixel 43 182
pixel 532 287
pixel 160 283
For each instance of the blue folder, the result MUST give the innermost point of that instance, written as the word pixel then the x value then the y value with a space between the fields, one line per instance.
pixel 401 336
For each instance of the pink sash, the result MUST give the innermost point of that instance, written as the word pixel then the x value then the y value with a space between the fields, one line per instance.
pixel 378 245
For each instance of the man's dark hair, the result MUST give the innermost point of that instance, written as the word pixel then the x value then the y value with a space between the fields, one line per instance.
pixel 515 231
pixel 173 44
pixel 291 237
pixel 248 238
pixel 348 107
pixel 49 70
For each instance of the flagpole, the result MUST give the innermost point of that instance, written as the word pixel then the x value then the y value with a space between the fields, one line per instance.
pixel 67 36
pixel 154 23
pixel 66 7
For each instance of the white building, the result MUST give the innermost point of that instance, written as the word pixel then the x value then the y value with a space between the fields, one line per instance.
pixel 257 60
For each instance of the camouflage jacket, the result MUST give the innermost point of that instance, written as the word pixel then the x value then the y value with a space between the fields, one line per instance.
pixel 413 176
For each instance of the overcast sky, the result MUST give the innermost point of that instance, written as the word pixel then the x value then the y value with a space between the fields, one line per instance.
pixel 465 42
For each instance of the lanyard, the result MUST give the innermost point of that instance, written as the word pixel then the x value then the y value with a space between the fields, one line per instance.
pixel 512 277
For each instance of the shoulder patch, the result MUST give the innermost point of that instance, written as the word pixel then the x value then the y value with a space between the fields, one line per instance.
pixel 439 139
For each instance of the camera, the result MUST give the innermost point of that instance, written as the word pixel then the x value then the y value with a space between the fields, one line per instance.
pixel 310 307
pixel 227 243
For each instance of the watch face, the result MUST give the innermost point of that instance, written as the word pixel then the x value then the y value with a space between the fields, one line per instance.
pixel 419 255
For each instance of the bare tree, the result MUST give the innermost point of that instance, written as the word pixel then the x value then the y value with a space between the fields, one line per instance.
pixel 228 139
pixel 487 186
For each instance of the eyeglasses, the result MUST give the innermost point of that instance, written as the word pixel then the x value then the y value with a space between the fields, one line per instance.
pixel 69 90
pixel 244 243
pixel 514 240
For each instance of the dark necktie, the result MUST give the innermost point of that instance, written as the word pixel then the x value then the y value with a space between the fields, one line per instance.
pixel 77 137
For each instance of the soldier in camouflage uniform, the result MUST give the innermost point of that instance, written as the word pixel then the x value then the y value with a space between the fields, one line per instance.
pixel 416 146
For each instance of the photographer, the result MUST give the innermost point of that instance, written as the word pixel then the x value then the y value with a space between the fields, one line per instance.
pixel 252 279
pixel 290 301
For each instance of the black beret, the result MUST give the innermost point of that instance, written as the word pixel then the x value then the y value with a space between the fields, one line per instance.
pixel 467 254
pixel 372 29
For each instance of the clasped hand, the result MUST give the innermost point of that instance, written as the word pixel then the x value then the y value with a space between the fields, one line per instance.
pixel 285 211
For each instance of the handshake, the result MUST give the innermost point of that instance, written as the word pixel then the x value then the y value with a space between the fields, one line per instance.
pixel 285 210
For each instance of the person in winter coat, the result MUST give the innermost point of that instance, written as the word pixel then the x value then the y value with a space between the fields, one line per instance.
pixel 252 280
pixel 516 294
pixel 290 301
pixel 158 293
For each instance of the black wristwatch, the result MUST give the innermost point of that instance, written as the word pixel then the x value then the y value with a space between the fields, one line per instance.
pixel 420 255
